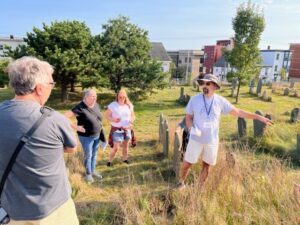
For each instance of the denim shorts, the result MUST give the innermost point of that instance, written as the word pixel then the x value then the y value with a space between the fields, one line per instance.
pixel 119 137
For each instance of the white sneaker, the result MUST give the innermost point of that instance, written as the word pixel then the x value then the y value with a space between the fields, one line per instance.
pixel 89 179
pixel 97 175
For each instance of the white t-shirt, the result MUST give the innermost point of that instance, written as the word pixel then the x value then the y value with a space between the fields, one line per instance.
pixel 207 118
pixel 121 111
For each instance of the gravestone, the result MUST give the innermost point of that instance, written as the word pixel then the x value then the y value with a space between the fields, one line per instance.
pixel 292 84
pixel 242 127
pixel 264 96
pixel 298 144
pixel 296 93
pixel 286 92
pixel 251 86
pixel 177 154
pixel 166 138
pixel 295 115
pixel 181 94
pixel 233 92
pixel 258 126
pixel 161 124
pixel 259 87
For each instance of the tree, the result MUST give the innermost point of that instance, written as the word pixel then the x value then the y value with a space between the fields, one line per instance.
pixel 126 58
pixel 282 74
pixel 65 46
pixel 3 72
pixel 245 57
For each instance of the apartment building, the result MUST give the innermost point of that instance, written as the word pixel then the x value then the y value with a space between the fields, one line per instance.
pixel 294 73
pixel 11 41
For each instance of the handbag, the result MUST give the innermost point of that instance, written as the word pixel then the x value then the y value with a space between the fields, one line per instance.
pixel 46 111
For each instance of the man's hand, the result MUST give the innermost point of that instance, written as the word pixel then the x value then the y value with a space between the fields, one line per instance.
pixel 265 120
pixel 80 129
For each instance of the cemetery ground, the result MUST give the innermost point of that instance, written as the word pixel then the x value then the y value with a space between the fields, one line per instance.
pixel 259 189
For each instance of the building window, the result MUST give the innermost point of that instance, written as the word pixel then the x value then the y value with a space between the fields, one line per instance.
pixel 277 56
pixel 179 61
pixel 190 60
pixel 1 47
pixel 275 68
pixel 185 59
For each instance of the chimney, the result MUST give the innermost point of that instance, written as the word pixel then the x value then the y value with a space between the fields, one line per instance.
pixel 269 47
pixel 11 36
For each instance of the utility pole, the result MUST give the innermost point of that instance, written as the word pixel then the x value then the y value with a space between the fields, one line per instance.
pixel 187 67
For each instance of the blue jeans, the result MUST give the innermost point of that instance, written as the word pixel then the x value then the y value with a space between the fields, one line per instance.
pixel 90 147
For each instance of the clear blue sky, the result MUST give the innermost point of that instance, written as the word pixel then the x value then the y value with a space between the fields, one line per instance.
pixel 178 24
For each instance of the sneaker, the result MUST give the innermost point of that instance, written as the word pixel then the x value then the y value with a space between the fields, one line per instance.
pixel 109 164
pixel 126 161
pixel 180 186
pixel 97 175
pixel 89 179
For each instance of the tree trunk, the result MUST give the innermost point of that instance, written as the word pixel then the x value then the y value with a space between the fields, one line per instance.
pixel 238 92
pixel 64 93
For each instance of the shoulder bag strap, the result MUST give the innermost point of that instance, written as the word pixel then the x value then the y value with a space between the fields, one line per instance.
pixel 25 138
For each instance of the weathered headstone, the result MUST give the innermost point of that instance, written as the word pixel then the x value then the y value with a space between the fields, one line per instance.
pixel 251 86
pixel 296 93
pixel 242 127
pixel 166 138
pixel 233 92
pixel 259 87
pixel 264 96
pixel 295 115
pixel 230 159
pixel 181 94
pixel 177 154
pixel 286 92
pixel 258 127
pixel 298 144
pixel 292 84
pixel 161 123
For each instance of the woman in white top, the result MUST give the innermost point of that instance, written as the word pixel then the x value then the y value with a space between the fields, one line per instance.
pixel 121 116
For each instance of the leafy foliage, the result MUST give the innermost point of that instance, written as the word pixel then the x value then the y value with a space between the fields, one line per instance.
pixel 126 59
pixel 3 73
pixel 245 56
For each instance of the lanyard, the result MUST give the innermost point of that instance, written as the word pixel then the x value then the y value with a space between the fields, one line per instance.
pixel 209 109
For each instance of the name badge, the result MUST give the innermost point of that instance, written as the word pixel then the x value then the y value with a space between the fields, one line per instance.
pixel 208 124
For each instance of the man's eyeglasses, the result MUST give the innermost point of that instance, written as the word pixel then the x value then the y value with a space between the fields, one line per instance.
pixel 202 83
pixel 52 84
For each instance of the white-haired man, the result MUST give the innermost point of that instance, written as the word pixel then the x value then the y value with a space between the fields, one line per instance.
pixel 37 190
pixel 203 114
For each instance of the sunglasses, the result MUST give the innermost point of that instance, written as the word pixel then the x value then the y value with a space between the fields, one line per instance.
pixel 202 83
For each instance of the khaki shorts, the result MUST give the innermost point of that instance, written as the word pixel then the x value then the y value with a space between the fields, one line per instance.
pixel 207 152
pixel 64 215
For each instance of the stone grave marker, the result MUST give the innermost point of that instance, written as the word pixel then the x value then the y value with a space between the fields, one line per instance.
pixel 242 127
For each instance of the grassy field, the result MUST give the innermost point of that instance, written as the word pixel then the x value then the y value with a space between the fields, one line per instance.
pixel 258 190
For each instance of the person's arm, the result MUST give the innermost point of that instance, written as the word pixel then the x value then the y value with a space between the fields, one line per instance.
pixel 69 114
pixel 189 121
pixel 248 115
pixel 70 149
pixel 108 115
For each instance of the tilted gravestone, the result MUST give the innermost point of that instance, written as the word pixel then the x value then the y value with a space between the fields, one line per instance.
pixel 259 87
pixel 286 92
pixel 177 154
pixel 295 115
pixel 242 127
pixel 258 126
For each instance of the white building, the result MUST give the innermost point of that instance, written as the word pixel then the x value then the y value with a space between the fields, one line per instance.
pixel 221 68
pixel 273 61
pixel 159 53
pixel 11 42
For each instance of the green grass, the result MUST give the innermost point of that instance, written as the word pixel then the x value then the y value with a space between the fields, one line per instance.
pixel 258 190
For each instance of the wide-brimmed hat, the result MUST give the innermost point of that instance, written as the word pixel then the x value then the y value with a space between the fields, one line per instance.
pixel 210 77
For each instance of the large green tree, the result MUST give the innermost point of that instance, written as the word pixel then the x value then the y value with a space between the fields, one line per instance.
pixel 65 45
pixel 126 59
pixel 3 72
pixel 248 25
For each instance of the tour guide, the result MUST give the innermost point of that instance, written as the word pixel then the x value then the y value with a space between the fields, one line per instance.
pixel 202 120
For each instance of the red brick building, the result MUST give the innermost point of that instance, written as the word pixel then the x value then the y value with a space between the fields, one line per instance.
pixel 212 53
pixel 294 72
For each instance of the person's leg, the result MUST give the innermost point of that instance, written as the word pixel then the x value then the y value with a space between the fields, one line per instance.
pixel 113 151
pixel 87 145
pixel 204 173
pixel 125 148
pixel 95 148
pixel 184 171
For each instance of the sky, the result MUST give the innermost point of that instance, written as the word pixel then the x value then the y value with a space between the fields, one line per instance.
pixel 178 24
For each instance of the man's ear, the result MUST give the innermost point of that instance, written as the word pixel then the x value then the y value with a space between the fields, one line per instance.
pixel 38 90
